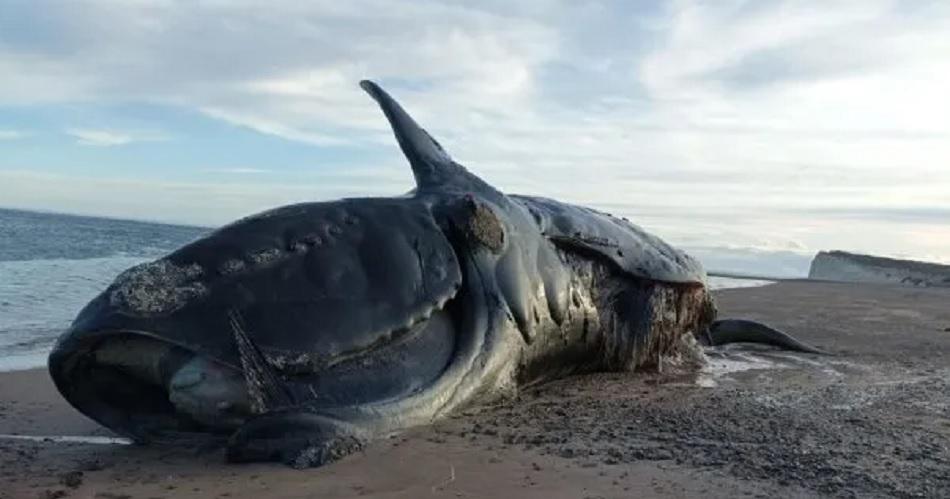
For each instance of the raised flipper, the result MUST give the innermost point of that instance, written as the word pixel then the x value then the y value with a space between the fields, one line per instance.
pixel 746 331
pixel 433 168
pixel 298 438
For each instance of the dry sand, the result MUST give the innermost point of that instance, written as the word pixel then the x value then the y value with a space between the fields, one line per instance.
pixel 871 421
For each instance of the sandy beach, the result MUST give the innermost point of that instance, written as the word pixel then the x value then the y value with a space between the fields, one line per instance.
pixel 871 420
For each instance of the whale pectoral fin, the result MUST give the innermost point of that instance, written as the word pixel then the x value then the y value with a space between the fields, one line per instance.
pixel 299 439
pixel 432 167
pixel 726 331
pixel 424 153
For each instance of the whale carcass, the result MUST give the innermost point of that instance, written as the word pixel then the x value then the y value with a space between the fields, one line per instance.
pixel 300 333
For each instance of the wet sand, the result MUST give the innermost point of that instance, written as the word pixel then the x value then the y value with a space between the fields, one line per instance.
pixel 873 420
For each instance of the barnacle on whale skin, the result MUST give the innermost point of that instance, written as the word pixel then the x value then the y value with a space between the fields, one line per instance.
pixel 157 288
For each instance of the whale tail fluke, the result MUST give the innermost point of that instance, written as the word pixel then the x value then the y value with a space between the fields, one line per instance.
pixel 726 331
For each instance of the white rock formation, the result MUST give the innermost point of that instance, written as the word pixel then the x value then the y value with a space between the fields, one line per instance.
pixel 843 266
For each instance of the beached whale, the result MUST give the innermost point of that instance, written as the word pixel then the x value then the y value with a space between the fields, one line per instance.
pixel 302 332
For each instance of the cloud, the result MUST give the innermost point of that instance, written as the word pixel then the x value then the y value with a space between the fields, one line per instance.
pixel 284 69
pixel 109 138
pixel 491 71
pixel 240 171
pixel 207 203
pixel 775 116
pixel 6 134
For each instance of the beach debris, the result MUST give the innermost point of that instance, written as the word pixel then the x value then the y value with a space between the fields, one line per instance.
pixel 72 479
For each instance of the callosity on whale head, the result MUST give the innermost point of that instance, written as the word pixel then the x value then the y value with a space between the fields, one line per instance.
pixel 301 332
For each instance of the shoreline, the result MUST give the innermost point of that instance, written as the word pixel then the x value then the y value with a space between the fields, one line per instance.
pixel 19 363
pixel 869 421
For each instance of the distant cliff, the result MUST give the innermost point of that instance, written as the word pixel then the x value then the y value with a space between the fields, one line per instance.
pixel 843 266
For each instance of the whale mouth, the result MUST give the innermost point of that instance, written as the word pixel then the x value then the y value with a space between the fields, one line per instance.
pixel 149 388
pixel 146 388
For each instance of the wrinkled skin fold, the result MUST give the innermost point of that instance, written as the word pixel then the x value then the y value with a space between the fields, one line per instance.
pixel 300 333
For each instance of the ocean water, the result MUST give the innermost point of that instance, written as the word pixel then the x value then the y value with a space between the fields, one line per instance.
pixel 51 265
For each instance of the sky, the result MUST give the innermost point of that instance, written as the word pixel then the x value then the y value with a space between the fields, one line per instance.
pixel 736 129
